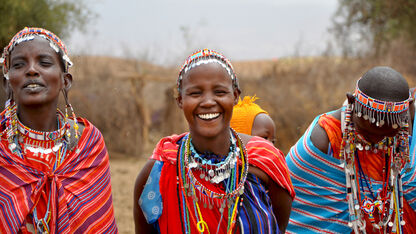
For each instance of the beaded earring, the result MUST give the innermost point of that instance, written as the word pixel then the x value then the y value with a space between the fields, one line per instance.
pixel 10 116
pixel 69 106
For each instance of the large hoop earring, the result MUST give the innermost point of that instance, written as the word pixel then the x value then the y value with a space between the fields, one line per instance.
pixel 69 106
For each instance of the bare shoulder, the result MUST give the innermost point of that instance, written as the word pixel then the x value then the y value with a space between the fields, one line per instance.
pixel 319 137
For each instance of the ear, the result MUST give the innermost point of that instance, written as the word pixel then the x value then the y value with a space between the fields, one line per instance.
pixel 351 98
pixel 236 93
pixel 179 101
pixel 67 81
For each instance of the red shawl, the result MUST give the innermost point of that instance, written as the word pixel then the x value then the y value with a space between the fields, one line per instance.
pixel 81 200
pixel 261 154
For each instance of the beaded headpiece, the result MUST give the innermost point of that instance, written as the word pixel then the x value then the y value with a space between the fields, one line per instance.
pixel 206 56
pixel 380 112
pixel 28 34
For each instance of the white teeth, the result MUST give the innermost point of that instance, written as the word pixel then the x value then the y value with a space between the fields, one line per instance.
pixel 209 116
pixel 33 86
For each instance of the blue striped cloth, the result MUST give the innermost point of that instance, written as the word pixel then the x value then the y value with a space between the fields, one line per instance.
pixel 256 214
pixel 320 205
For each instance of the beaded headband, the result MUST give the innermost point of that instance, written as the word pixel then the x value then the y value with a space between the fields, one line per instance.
pixel 380 112
pixel 206 56
pixel 28 34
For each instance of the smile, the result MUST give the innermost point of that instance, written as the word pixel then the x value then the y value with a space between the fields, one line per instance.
pixel 209 116
pixel 32 86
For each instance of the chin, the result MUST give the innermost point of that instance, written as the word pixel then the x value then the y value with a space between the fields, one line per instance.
pixel 208 132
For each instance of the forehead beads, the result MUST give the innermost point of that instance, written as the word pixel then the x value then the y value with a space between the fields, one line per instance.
pixel 206 56
pixel 28 34
pixel 380 112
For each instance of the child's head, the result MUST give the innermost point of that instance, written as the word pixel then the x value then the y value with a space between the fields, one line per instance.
pixel 249 118
pixel 208 90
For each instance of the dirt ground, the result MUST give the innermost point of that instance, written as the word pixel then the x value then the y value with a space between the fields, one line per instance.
pixel 123 175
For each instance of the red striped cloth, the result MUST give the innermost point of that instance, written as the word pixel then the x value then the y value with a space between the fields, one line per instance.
pixel 261 154
pixel 81 200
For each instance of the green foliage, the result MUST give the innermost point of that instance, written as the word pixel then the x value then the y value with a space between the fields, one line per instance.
pixel 374 24
pixel 58 16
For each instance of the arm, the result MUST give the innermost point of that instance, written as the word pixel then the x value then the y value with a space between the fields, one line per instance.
pixel 319 138
pixel 282 204
pixel 281 199
pixel 141 225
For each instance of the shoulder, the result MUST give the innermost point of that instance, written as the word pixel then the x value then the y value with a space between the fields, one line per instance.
pixel 260 146
pixel 167 147
pixel 319 137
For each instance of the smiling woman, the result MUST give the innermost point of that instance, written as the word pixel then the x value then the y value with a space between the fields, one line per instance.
pixel 54 170
pixel 212 179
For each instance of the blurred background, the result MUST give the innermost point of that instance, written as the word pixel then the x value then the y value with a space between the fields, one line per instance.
pixel 299 57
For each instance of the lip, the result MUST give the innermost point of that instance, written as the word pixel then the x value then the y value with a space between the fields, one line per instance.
pixel 33 86
pixel 32 83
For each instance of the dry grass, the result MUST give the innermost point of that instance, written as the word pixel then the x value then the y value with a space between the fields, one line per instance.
pixel 123 175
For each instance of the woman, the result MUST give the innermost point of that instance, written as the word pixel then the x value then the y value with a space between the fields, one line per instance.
pixel 212 179
pixel 54 170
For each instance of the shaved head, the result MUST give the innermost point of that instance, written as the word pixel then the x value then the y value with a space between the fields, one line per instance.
pixel 384 83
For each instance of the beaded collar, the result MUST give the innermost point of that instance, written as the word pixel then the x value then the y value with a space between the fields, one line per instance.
pixel 43 136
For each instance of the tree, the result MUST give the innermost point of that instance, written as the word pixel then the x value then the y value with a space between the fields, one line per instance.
pixel 58 16
pixel 373 24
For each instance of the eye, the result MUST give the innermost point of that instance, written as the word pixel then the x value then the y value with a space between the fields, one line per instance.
pixel 220 92
pixel 46 63
pixel 17 64
pixel 195 93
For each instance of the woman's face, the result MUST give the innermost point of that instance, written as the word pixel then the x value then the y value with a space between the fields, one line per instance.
pixel 207 99
pixel 371 132
pixel 36 75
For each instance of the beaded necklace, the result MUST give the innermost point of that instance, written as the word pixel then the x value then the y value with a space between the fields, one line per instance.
pixel 42 145
pixel 389 200
pixel 190 186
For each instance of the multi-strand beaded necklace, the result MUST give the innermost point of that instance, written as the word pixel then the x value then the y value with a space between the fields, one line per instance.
pixel 362 200
pixel 226 172
pixel 48 147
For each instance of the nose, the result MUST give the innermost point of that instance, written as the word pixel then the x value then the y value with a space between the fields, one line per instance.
pixel 208 100
pixel 32 69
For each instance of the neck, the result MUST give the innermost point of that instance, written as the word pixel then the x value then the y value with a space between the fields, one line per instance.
pixel 219 145
pixel 41 118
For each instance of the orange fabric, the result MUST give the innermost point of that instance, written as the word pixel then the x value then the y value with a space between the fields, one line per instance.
pixel 244 114
pixel 332 127
pixel 372 165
